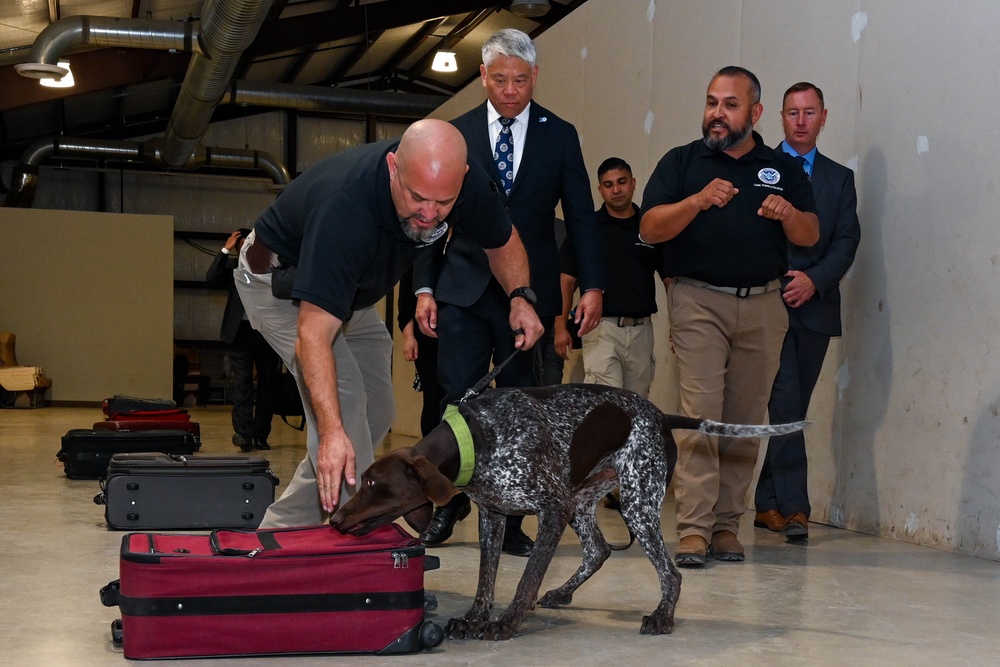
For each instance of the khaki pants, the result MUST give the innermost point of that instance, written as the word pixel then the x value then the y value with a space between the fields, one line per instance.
pixel 728 350
pixel 620 356
pixel 362 351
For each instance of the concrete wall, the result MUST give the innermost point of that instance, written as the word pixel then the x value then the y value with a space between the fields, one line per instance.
pixel 90 298
pixel 906 441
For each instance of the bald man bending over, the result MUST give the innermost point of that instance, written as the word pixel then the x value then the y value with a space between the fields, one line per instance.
pixel 324 253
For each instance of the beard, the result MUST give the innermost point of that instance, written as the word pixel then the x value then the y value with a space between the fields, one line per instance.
pixel 732 139
pixel 422 236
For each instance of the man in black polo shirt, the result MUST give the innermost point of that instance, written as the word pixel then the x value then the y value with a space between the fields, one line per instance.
pixel 619 352
pixel 351 225
pixel 727 207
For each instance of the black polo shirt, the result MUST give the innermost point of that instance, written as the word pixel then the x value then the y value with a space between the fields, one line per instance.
pixel 730 246
pixel 338 224
pixel 629 264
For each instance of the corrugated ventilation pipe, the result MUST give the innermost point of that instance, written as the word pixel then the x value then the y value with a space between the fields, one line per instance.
pixel 227 28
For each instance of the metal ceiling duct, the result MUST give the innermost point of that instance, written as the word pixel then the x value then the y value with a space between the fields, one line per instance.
pixel 228 27
pixel 24 179
pixel 61 35
pixel 325 98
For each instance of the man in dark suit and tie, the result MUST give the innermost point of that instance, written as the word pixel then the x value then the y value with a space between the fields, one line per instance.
pixel 535 160
pixel 252 411
pixel 812 297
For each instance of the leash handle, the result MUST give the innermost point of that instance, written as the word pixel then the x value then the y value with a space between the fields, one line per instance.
pixel 485 382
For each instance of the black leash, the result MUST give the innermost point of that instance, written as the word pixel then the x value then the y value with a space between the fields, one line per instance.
pixel 485 382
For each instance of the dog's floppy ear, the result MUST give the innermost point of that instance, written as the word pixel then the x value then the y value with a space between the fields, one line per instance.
pixel 438 488
pixel 419 518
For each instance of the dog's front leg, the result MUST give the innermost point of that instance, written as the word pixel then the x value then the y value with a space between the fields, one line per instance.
pixel 550 529
pixel 491 529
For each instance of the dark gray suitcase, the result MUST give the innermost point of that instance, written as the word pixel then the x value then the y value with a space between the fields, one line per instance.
pixel 155 491
pixel 85 453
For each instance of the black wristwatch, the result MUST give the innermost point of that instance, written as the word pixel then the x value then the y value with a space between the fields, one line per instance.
pixel 525 293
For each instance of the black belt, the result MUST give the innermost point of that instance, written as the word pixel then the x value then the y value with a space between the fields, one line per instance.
pixel 740 292
pixel 628 321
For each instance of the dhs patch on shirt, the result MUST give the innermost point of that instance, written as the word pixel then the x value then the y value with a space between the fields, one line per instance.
pixel 769 178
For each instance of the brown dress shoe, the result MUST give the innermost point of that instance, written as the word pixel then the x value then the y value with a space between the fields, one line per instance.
pixel 771 519
pixel 796 527
pixel 692 551
pixel 726 547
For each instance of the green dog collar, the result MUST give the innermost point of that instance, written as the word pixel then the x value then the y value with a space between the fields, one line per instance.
pixel 466 452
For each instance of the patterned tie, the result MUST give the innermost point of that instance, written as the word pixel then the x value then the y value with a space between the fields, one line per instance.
pixel 503 155
pixel 802 163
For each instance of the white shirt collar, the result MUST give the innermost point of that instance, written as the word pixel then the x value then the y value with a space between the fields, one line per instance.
pixel 492 115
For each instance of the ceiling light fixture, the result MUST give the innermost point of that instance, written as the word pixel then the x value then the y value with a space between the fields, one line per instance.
pixel 65 82
pixel 444 61
pixel 530 8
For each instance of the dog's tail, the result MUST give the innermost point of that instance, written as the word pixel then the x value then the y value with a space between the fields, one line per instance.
pixel 733 430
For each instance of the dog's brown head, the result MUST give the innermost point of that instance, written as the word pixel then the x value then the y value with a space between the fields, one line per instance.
pixel 402 483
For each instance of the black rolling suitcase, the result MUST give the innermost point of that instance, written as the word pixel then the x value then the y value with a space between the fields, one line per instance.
pixel 85 453
pixel 155 491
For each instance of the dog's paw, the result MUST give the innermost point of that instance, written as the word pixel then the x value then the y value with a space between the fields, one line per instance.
pixel 555 598
pixel 657 623
pixel 460 628
pixel 457 628
pixel 497 631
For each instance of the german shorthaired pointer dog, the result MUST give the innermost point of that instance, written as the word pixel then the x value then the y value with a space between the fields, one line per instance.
pixel 551 451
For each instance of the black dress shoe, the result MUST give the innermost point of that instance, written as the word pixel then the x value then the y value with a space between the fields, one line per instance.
pixel 243 442
pixel 261 444
pixel 444 520
pixel 515 542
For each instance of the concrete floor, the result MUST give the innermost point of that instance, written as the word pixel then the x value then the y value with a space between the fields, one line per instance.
pixel 845 599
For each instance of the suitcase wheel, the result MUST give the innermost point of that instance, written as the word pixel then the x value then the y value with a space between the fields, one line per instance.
pixel 431 635
pixel 116 631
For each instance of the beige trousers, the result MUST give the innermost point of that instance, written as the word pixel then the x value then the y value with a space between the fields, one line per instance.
pixel 728 351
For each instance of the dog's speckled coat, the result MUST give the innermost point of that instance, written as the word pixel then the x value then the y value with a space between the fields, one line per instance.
pixel 554 452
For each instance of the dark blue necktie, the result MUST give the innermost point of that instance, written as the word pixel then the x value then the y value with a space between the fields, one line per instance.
pixel 802 163
pixel 503 155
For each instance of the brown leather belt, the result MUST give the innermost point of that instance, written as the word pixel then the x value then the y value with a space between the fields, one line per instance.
pixel 259 257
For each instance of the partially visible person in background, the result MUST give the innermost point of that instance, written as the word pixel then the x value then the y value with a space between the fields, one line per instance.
pixel 422 350
pixel 619 352
pixel 812 296
pixel 253 408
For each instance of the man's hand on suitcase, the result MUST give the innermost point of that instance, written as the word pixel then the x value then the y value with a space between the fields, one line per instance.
pixel 335 463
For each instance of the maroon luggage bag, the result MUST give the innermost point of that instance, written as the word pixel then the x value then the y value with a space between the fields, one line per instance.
pixel 178 415
pixel 282 591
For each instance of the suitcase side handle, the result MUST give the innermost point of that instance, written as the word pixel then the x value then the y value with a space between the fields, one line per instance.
pixel 111 594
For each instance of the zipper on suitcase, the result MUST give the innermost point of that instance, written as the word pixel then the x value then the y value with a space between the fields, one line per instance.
pixel 400 560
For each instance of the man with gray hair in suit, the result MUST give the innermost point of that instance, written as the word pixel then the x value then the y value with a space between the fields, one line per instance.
pixel 535 162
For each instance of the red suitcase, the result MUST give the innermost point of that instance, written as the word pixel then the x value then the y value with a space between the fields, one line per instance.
pixel 178 415
pixel 194 428
pixel 282 591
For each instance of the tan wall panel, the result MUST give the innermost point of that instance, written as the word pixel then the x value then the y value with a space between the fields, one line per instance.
pixel 90 298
